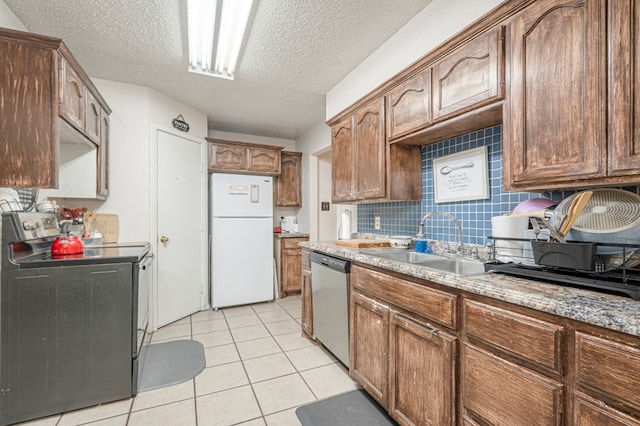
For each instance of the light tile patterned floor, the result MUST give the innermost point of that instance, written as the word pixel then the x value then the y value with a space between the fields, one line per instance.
pixel 259 370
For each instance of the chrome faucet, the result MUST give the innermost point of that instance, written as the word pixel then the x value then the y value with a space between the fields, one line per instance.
pixel 450 216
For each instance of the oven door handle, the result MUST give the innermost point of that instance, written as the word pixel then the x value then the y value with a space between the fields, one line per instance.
pixel 147 261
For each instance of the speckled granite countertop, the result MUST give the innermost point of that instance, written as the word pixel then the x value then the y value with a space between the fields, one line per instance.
pixel 612 312
pixel 290 235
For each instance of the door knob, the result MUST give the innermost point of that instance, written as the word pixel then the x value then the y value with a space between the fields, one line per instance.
pixel 164 239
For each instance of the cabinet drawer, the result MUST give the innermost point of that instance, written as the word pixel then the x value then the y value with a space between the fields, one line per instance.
pixel 292 243
pixel 306 259
pixel 502 393
pixel 435 305
pixel 608 366
pixel 526 337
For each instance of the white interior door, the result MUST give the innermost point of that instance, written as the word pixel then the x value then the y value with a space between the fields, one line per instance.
pixel 181 227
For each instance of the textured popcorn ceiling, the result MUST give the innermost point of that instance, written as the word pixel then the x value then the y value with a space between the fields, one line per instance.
pixel 295 52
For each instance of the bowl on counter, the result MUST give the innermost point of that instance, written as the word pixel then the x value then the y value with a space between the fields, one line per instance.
pixel 400 241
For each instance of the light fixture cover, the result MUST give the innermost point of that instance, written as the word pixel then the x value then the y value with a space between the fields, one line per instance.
pixel 232 17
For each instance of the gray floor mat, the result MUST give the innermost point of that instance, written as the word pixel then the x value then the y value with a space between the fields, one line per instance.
pixel 353 408
pixel 170 363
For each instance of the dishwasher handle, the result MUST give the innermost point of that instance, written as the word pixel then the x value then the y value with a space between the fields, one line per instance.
pixel 331 262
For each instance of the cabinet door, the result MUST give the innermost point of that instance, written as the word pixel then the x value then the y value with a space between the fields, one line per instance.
pixel 73 97
pixel 92 118
pixel 471 76
pixel 307 306
pixel 624 87
pixel 498 392
pixel 291 266
pixel 342 161
pixel 227 157
pixel 370 151
pixel 369 345
pixel 599 360
pixel 422 374
pixel 409 105
pixel 555 124
pixel 591 412
pixel 103 155
pixel 288 186
pixel 28 97
pixel 263 160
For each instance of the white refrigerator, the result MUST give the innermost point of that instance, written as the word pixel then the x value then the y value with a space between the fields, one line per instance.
pixel 241 227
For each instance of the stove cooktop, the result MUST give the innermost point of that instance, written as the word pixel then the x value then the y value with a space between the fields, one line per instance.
pixel 91 255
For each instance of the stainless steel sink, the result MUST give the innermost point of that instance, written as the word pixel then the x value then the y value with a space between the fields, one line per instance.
pixel 405 256
pixel 455 265
pixel 451 264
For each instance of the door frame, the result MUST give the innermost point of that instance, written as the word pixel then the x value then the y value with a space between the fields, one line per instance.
pixel 153 219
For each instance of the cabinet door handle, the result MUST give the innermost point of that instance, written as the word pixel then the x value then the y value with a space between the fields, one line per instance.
pixel 164 239
pixel 426 325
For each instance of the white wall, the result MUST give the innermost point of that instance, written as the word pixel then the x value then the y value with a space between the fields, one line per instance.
pixel 135 109
pixel 314 142
pixel 8 19
pixel 437 22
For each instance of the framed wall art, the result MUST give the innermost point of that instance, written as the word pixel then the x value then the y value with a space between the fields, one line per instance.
pixel 461 176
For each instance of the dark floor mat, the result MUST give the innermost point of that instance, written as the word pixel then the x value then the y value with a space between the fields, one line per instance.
pixel 353 408
pixel 170 363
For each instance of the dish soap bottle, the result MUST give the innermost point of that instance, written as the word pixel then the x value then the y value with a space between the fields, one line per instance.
pixel 421 244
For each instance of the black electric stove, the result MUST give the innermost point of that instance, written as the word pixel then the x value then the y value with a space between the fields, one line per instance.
pixel 79 317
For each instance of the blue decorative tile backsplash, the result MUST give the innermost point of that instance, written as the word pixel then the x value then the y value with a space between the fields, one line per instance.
pixel 402 218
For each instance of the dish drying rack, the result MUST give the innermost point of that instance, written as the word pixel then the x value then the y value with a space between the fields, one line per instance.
pixel 607 267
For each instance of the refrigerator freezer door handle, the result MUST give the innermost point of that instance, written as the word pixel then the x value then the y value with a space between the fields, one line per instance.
pixel 255 193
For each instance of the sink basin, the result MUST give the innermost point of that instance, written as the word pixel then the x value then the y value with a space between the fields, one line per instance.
pixel 454 265
pixel 405 256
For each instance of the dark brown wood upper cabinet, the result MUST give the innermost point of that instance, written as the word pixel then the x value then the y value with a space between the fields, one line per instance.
pixel 288 186
pixel 409 105
pixel 342 160
pixel 92 124
pixel 241 157
pixel 42 83
pixel 555 118
pixel 369 151
pixel 365 167
pixel 470 76
pixel 624 88
pixel 73 102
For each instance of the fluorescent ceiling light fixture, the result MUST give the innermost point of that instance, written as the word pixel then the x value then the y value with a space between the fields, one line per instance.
pixel 221 23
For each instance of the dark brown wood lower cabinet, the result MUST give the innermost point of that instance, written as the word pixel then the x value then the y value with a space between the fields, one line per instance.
pixel 369 345
pixel 591 412
pixel 495 391
pixel 422 375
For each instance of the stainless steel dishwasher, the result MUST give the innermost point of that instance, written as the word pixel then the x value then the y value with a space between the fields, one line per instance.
pixel 330 298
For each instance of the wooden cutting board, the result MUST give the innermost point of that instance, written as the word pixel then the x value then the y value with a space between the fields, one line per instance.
pixel 363 243
pixel 108 225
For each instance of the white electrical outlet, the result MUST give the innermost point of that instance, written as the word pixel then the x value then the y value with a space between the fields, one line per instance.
pixel 376 223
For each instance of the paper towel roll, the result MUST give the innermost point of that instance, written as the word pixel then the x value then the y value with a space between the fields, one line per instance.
pixel 345 225
pixel 510 227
